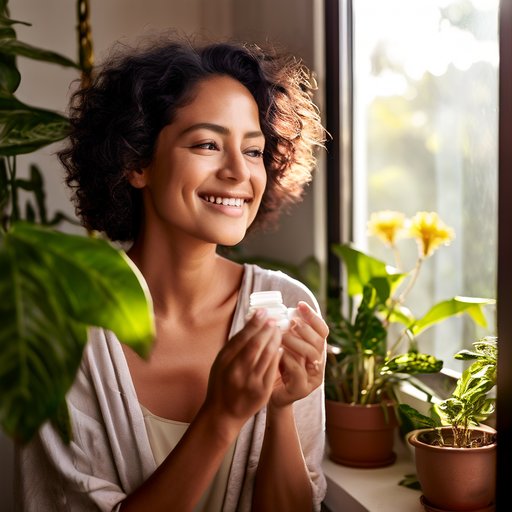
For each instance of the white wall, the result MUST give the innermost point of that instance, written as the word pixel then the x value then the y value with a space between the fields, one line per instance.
pixel 293 23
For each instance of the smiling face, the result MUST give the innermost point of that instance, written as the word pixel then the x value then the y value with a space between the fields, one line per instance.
pixel 207 177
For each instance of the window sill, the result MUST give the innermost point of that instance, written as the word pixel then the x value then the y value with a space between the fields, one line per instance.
pixel 372 490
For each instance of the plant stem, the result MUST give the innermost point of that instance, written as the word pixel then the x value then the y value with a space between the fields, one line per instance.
pixel 412 281
pixel 401 298
pixel 11 169
pixel 396 255
pixel 412 341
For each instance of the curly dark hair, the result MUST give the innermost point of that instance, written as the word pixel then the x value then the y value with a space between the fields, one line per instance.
pixel 115 122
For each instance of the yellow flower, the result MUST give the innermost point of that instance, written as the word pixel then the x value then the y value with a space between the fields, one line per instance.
pixel 387 225
pixel 430 232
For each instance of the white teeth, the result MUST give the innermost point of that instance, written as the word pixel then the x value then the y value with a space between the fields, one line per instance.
pixel 226 201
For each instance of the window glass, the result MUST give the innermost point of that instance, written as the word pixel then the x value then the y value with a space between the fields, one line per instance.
pixel 425 139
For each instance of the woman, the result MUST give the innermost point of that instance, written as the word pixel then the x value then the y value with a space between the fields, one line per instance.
pixel 177 149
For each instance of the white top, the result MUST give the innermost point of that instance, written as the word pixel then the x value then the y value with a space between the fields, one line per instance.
pixel 164 435
pixel 110 455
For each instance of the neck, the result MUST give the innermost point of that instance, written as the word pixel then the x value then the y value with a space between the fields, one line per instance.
pixel 181 277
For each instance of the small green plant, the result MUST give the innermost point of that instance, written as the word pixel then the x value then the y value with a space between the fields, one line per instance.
pixel 470 403
pixel 366 358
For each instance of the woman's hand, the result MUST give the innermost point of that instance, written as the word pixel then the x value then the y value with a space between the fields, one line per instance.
pixel 303 360
pixel 243 374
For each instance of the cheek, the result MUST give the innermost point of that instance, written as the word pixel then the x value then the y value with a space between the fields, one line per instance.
pixel 259 188
pixel 261 180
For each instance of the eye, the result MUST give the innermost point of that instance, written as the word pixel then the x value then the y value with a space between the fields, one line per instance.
pixel 254 153
pixel 210 146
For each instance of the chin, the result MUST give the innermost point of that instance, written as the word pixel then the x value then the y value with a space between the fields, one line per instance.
pixel 231 238
pixel 230 241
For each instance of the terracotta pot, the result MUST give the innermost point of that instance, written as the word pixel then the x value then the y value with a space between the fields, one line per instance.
pixel 361 435
pixel 455 479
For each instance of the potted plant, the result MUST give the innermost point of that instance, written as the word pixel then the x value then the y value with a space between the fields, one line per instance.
pixel 53 285
pixel 455 455
pixel 372 345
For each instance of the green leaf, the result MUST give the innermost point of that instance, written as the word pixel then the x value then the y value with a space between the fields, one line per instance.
pixel 400 314
pixel 14 47
pixel 417 419
pixel 4 190
pixel 23 129
pixel 412 363
pixel 53 286
pixel 10 77
pixel 103 287
pixel 361 268
pixel 35 185
pixel 4 16
pixel 452 307
pixel 309 274
pixel 411 482
pixel 40 347
pixel 368 328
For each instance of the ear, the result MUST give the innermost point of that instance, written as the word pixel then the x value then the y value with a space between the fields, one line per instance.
pixel 137 179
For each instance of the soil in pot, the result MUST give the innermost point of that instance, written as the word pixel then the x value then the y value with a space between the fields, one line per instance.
pixel 361 435
pixel 456 479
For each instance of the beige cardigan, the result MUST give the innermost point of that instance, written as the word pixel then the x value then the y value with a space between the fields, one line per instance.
pixel 110 455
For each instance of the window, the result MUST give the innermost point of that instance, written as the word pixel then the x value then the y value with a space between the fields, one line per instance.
pixel 425 137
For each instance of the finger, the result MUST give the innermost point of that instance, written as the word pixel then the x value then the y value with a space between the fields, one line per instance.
pixel 302 348
pixel 294 375
pixel 311 317
pixel 251 353
pixel 242 337
pixel 272 371
pixel 258 382
pixel 269 352
pixel 300 329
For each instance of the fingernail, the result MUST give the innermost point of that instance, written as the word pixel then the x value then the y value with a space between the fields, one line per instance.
pixel 271 322
pixel 302 306
pixel 260 313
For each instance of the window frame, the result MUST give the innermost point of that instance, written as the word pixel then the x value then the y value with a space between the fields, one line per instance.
pixel 339 123
pixel 504 295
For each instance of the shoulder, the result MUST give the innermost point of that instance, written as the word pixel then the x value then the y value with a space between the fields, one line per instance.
pixel 292 289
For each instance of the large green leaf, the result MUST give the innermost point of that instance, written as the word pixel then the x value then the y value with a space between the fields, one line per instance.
pixel 452 307
pixel 52 286
pixel 23 129
pixel 361 268
pixel 417 420
pixel 18 48
pixel 368 328
pixel 9 75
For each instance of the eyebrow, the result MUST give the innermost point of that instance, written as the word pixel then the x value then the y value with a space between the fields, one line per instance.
pixel 222 130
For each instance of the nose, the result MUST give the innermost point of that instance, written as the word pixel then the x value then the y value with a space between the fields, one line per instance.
pixel 234 166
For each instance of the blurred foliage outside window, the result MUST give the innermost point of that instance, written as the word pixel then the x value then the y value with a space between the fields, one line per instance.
pixel 425 138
